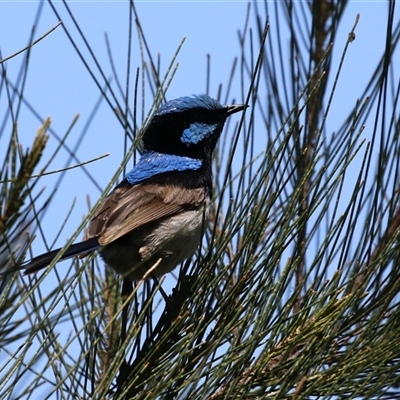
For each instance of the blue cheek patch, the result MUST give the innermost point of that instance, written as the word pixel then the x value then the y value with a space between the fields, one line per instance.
pixel 197 132
pixel 152 163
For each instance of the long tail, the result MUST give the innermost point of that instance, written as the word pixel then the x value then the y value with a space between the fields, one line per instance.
pixel 45 259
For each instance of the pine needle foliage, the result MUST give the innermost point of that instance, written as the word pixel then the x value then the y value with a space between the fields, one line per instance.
pixel 294 293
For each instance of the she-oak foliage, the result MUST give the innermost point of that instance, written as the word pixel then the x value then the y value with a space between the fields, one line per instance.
pixel 294 293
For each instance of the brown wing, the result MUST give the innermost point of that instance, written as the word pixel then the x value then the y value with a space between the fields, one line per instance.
pixel 129 207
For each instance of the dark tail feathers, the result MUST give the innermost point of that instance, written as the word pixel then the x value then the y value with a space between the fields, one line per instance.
pixel 45 259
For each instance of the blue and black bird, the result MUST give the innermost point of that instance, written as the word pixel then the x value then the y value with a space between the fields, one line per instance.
pixel 153 220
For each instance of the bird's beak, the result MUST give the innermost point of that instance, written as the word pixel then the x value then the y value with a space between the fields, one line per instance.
pixel 234 108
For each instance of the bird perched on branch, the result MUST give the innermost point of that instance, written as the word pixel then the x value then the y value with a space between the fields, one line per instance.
pixel 154 219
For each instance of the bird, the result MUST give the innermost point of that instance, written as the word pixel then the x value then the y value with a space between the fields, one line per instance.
pixel 154 219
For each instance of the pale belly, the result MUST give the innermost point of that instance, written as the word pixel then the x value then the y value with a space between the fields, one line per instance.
pixel 159 247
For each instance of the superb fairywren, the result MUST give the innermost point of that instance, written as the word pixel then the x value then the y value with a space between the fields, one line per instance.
pixel 154 219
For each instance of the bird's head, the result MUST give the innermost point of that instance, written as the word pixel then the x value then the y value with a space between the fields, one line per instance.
pixel 188 126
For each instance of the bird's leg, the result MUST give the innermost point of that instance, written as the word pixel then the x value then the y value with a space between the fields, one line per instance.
pixel 163 294
pixel 125 293
pixel 150 272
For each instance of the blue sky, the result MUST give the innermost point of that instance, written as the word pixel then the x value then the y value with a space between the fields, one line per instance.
pixel 60 87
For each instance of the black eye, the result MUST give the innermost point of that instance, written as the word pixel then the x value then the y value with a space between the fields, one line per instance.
pixel 174 131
